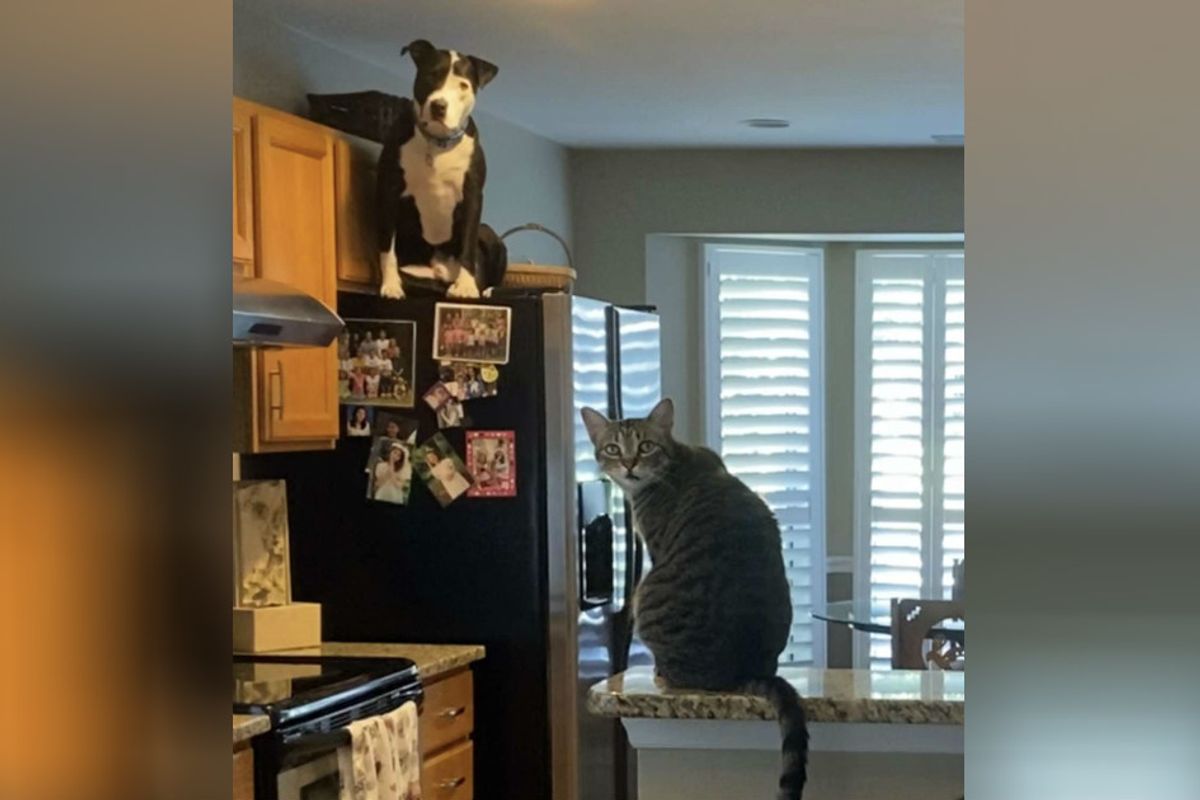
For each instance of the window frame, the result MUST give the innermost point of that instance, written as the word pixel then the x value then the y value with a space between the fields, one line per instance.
pixel 710 253
pixel 933 266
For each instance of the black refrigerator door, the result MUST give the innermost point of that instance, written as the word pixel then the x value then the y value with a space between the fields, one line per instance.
pixel 473 572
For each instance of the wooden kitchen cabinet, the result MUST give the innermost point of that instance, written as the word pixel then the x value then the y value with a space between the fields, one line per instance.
pixel 287 398
pixel 449 774
pixel 243 188
pixel 446 725
pixel 354 189
pixel 243 773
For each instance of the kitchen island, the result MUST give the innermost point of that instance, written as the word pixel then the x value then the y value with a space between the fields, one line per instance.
pixel 893 734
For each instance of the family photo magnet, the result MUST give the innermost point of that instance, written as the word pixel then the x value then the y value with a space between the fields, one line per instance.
pixel 471 333
pixel 492 459
pixel 377 363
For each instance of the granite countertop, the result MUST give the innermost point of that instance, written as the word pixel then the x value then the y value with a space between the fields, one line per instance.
pixel 247 726
pixel 830 695
pixel 432 660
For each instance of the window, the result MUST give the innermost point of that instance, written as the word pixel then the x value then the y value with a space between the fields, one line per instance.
pixel 909 408
pixel 764 346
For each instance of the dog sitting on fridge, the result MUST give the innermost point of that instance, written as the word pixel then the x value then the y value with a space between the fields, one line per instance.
pixel 430 181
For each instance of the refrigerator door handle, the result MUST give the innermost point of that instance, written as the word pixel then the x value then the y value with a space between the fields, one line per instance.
pixel 596 572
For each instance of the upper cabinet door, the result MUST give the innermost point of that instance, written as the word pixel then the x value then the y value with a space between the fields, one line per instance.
pixel 243 189
pixel 296 245
pixel 358 255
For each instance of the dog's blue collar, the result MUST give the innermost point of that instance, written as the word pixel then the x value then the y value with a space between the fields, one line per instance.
pixel 442 142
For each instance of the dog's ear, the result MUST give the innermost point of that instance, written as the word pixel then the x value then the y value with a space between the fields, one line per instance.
pixel 484 71
pixel 420 50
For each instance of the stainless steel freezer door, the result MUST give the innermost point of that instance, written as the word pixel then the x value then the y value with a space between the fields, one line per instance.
pixel 636 358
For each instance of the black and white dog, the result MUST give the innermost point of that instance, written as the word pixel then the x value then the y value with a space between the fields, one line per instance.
pixel 430 181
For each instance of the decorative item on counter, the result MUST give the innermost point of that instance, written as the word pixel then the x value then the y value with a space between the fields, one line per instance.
pixel 452 414
pixel 492 458
pixel 264 615
pixel 377 363
pixel 469 381
pixel 358 420
pixel 394 426
pixel 260 532
pixel 390 470
pixel 442 470
pixel 472 333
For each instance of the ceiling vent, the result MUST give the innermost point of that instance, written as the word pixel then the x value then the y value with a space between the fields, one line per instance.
pixel 766 122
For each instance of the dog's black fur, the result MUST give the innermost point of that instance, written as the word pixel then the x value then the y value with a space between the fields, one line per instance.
pixel 476 247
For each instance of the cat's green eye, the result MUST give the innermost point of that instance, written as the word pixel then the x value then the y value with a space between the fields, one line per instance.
pixel 612 450
pixel 646 447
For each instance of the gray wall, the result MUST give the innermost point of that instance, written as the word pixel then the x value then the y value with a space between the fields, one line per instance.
pixel 620 197
pixel 527 175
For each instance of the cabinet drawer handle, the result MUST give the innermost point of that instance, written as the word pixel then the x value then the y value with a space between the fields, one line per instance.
pixel 452 783
pixel 277 372
pixel 452 712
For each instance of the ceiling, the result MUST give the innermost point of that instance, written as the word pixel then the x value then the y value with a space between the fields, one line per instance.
pixel 669 73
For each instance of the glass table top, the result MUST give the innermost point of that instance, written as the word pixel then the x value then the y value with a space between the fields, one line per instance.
pixel 863 616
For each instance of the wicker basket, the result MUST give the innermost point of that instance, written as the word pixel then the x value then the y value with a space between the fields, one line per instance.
pixel 539 276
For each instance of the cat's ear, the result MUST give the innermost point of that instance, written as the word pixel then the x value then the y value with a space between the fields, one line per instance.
pixel 595 422
pixel 663 414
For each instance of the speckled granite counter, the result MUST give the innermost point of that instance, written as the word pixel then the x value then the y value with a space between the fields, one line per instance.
pixel 247 726
pixel 830 695
pixel 433 660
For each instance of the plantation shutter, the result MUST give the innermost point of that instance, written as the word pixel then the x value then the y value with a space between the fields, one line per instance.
pixel 765 346
pixel 953 422
pixel 909 428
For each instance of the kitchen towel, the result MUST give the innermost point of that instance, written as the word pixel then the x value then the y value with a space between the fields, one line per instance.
pixel 383 759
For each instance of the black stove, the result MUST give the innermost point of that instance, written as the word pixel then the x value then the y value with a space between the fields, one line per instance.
pixel 310 700
pixel 294 689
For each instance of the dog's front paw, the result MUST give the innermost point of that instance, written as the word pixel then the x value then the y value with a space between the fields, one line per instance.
pixel 391 287
pixel 464 287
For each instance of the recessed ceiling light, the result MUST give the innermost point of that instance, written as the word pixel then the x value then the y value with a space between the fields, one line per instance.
pixel 947 138
pixel 766 122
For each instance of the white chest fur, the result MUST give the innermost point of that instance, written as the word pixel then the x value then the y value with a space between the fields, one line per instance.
pixel 434 178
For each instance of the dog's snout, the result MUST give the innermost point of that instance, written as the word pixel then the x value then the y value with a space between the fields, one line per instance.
pixel 437 109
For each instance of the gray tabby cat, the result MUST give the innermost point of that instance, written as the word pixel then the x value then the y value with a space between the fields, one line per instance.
pixel 715 608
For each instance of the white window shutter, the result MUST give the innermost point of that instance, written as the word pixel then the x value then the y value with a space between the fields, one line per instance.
pixel 952 285
pixel 765 341
pixel 909 428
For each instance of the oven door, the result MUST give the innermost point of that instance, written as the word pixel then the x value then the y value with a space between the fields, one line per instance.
pixel 315 779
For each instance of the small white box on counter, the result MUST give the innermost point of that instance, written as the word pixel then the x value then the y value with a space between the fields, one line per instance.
pixel 258 630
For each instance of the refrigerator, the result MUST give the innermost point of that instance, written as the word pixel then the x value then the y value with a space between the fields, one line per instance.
pixel 543 580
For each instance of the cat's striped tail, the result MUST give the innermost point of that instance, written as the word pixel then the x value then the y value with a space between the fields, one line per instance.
pixel 794 729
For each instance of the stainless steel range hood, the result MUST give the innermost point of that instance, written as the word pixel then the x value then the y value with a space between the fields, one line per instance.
pixel 271 314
